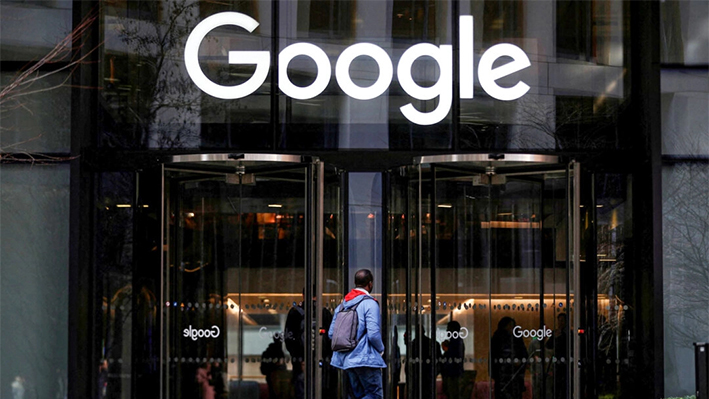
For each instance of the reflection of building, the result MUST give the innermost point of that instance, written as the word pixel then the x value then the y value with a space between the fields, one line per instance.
pixel 127 238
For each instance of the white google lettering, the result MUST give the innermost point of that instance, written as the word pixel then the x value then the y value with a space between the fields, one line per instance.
pixel 196 333
pixel 543 332
pixel 453 334
pixel 488 75
pixel 442 55
pixel 265 334
pixel 342 71
pixel 260 58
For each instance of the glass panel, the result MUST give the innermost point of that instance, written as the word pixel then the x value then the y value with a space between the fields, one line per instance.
pixel 235 282
pixel 334 119
pixel 576 80
pixel 685 99
pixel 616 305
pixel 401 234
pixel 491 249
pixel 501 282
pixel 152 102
pixel 332 283
pixel 463 259
pixel 556 36
pixel 34 280
pixel 114 241
pixel 30 29
pixel 36 116
pixel 685 244
pixel 683 29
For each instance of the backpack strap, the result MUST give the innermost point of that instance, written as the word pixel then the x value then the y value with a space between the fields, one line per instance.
pixel 365 320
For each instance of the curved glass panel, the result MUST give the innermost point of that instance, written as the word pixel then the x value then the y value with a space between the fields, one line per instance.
pixel 487 306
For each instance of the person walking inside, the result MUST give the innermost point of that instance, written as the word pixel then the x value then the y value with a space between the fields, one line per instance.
pixel 508 369
pixel 362 365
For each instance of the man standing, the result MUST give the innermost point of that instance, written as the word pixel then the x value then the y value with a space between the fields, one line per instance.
pixel 363 364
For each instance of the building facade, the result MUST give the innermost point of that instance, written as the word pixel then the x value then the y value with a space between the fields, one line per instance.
pixel 184 181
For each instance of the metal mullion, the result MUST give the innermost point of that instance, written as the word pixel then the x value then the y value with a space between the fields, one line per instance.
pixel 240 334
pixel 386 268
pixel 319 264
pixel 164 258
pixel 576 237
pixel 307 289
pixel 433 265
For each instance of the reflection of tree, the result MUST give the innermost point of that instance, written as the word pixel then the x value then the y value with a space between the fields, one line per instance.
pixel 686 249
pixel 571 122
pixel 152 99
pixel 34 79
pixel 610 278
pixel 564 122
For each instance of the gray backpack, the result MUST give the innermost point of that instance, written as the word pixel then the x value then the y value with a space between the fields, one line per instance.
pixel 344 335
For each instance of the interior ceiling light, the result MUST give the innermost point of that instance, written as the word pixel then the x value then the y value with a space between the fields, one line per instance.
pixel 445 206
pixel 275 206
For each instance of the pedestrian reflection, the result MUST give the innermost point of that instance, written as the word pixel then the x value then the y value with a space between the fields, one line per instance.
pixel 509 356
pixel 452 369
pixel 204 381
pixel 273 366
pixel 424 370
pixel 18 388
pixel 103 379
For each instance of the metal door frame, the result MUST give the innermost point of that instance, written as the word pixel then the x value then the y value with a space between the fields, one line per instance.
pixel 222 164
pixel 535 164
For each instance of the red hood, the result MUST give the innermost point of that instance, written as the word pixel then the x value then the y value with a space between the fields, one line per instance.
pixel 354 294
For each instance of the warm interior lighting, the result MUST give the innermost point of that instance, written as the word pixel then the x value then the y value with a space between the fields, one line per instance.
pixel 599 206
pixel 505 214
pixel 445 206
pixel 233 307
pixel 275 206
pixel 189 214
pixel 498 224
pixel 122 205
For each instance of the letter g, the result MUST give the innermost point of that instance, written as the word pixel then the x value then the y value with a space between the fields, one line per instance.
pixel 516 333
pixel 260 58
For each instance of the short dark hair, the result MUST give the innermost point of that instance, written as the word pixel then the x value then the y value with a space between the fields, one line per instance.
pixel 453 326
pixel 363 277
pixel 504 322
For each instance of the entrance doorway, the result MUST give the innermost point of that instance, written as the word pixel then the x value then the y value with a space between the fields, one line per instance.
pixel 255 262
pixel 252 245
pixel 483 257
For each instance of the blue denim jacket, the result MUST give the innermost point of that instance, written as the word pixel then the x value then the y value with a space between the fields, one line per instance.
pixel 368 351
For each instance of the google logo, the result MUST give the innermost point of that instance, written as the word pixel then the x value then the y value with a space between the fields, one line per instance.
pixel 442 55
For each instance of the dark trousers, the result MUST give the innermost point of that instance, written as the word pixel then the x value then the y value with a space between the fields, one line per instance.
pixel 365 382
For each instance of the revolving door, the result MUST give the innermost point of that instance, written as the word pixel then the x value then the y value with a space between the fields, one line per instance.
pixel 482 274
pixel 250 240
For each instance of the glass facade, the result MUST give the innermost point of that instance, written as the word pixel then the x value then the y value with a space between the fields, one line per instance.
pixel 34 285
pixel 495 163
pixel 578 83
pixel 685 99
